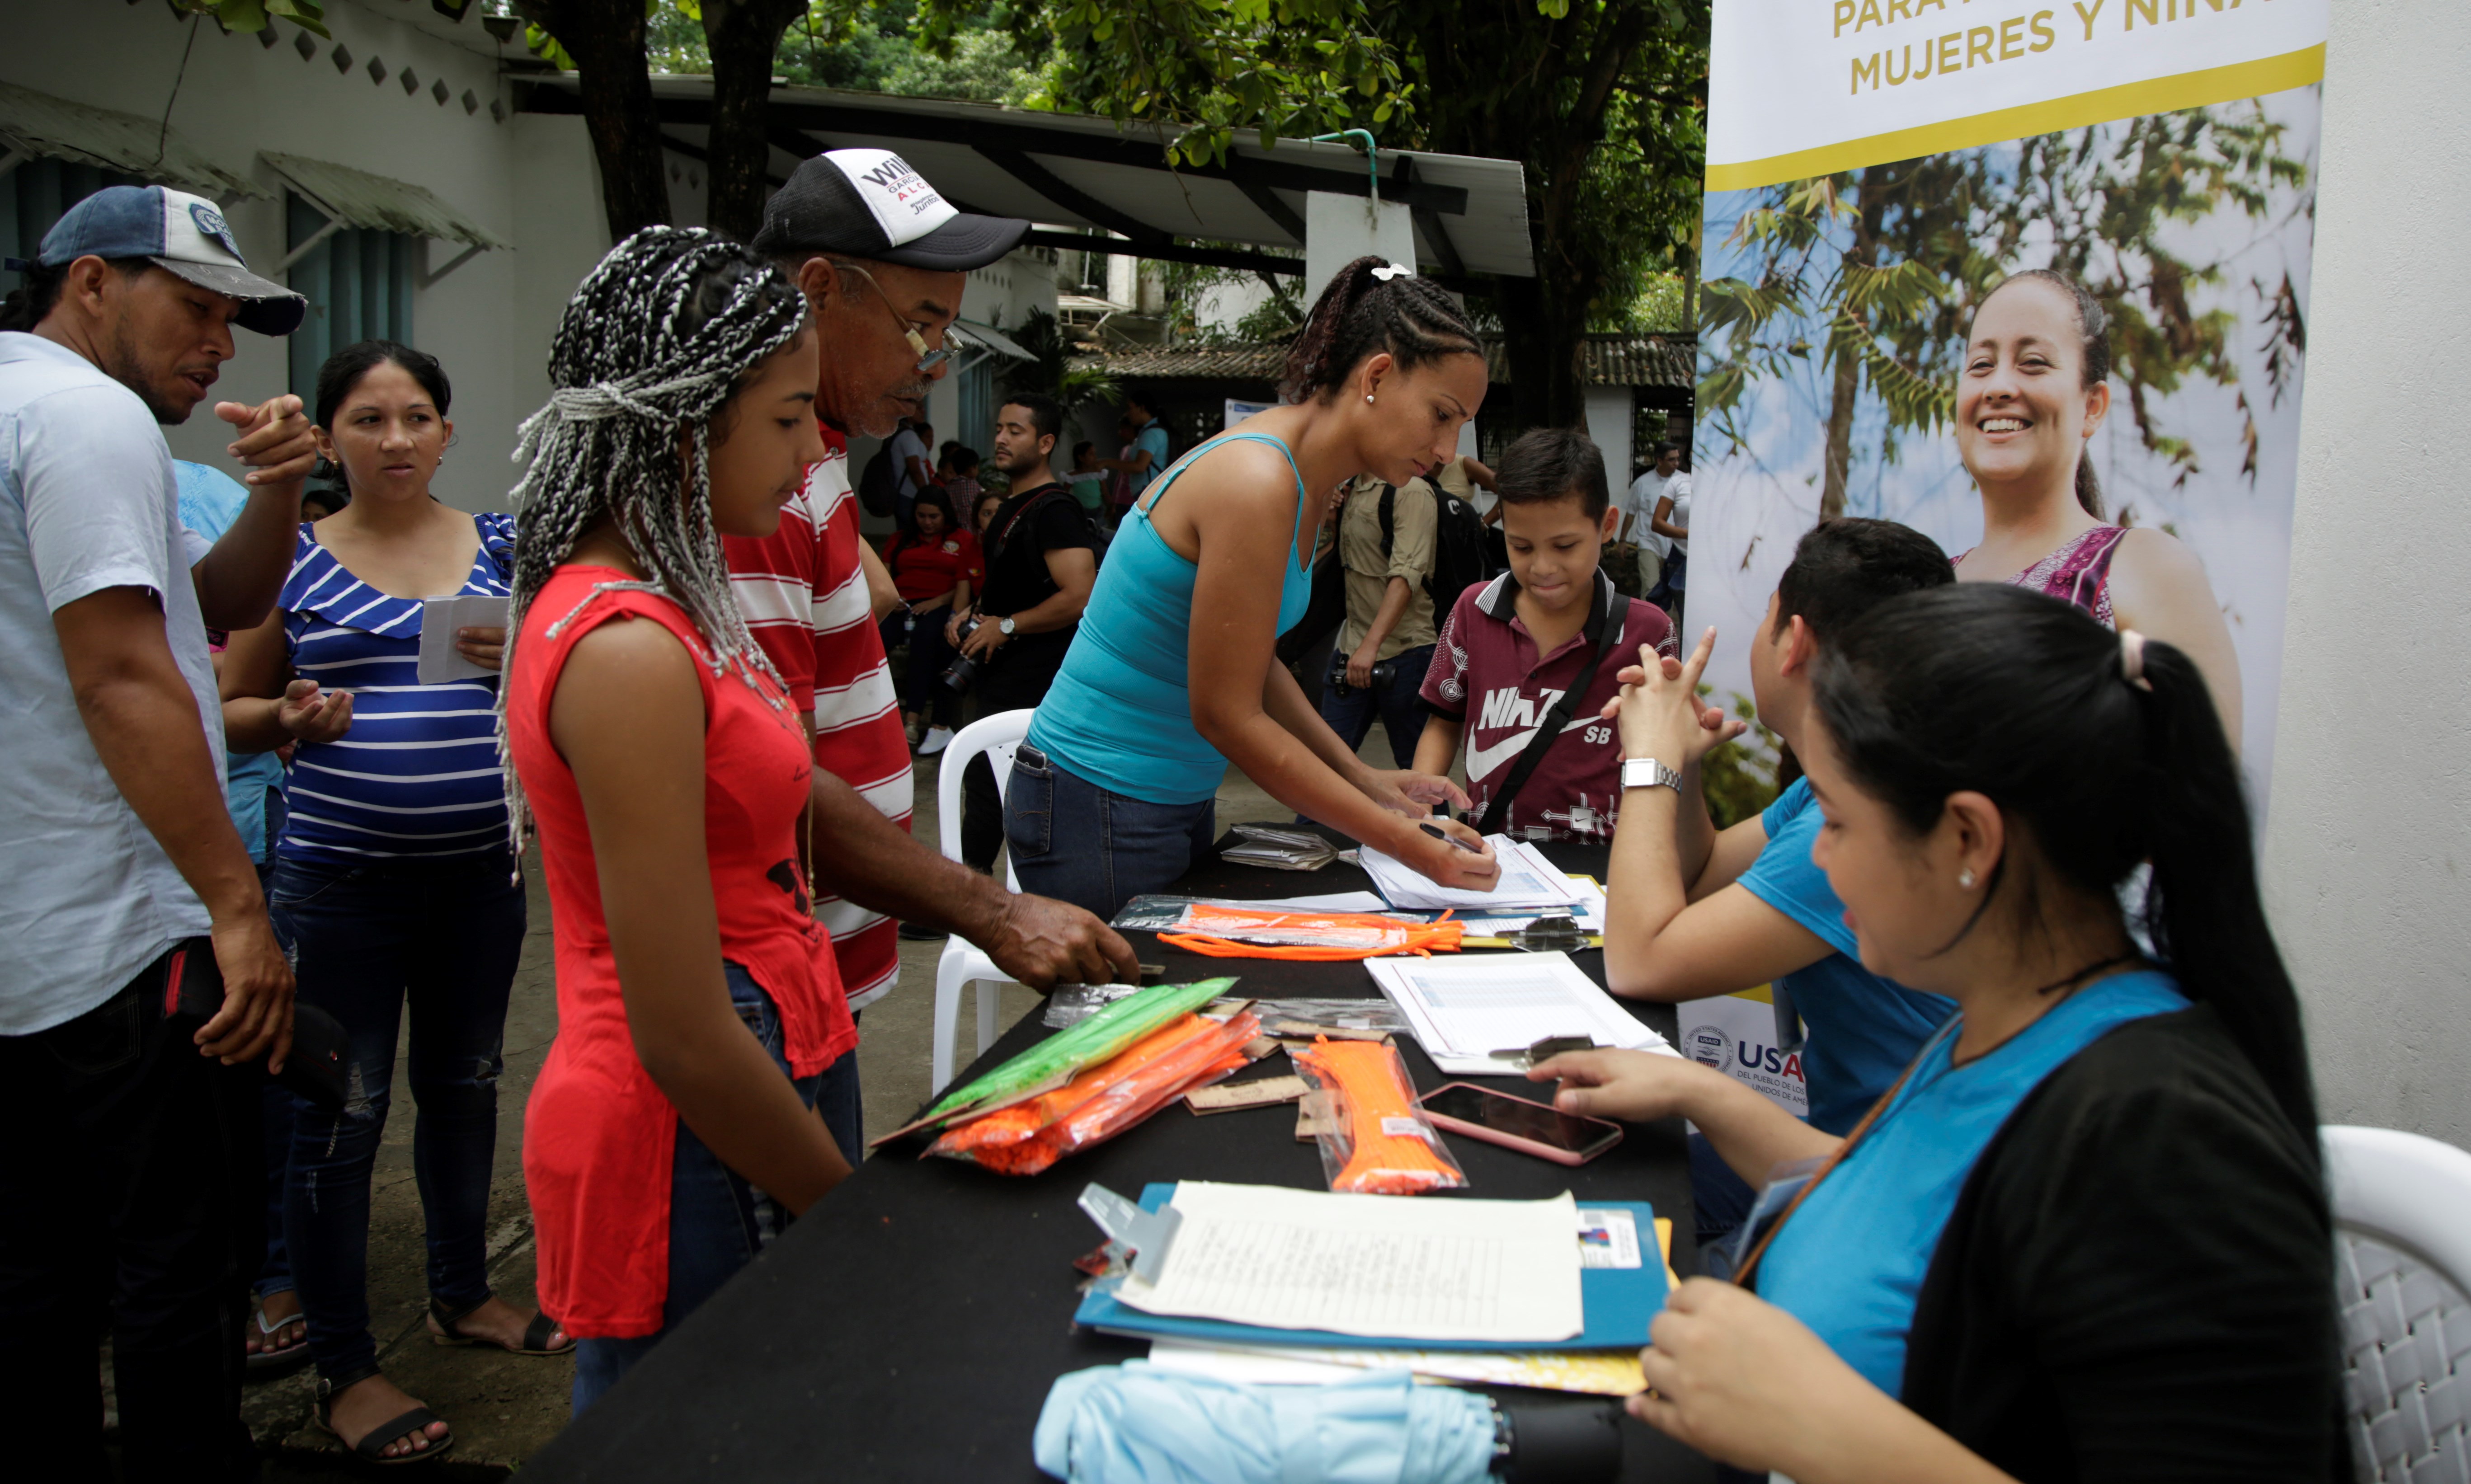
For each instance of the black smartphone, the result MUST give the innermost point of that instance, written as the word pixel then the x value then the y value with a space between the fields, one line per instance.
pixel 1514 1123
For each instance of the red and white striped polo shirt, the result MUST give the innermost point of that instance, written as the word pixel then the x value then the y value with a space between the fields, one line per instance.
pixel 805 599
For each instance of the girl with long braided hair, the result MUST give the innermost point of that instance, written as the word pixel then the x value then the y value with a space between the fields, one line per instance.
pixel 1174 672
pixel 701 1021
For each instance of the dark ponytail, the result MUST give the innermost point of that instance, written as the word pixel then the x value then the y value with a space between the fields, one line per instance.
pixel 1361 314
pixel 2024 698
pixel 2093 344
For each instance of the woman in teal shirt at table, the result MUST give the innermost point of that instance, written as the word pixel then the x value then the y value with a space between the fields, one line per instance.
pixel 1174 674
pixel 2085 1236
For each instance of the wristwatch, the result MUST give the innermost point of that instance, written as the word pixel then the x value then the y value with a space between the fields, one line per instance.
pixel 1003 626
pixel 1648 773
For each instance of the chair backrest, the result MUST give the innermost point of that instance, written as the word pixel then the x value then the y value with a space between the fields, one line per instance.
pixel 2402 1216
pixel 998 737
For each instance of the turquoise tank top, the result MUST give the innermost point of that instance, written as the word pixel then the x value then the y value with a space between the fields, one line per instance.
pixel 1119 713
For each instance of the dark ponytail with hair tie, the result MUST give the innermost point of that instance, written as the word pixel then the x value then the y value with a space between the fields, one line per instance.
pixel 1363 313
pixel 2022 697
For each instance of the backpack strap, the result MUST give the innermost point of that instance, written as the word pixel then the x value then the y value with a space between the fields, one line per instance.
pixel 1549 730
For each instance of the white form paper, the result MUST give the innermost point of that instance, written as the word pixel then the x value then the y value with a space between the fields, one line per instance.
pixel 439 619
pixel 1527 880
pixel 1463 1010
pixel 1378 1265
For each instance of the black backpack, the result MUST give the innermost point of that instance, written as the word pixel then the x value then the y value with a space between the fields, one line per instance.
pixel 1460 558
pixel 876 484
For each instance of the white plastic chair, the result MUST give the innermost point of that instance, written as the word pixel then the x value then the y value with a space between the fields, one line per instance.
pixel 2402 1218
pixel 963 961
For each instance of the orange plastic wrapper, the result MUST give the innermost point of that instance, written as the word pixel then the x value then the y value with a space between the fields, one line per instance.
pixel 1385 1144
pixel 1188 1051
pixel 1217 931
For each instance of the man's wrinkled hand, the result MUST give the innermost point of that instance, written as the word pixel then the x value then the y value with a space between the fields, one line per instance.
pixel 274 440
pixel 1043 942
pixel 256 1014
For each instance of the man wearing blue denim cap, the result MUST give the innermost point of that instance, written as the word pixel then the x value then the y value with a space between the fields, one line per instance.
pixel 125 889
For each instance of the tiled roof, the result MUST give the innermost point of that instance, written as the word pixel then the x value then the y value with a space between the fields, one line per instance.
pixel 1605 361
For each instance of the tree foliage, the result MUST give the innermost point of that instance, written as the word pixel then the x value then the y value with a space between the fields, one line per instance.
pixel 1052 371
pixel 1887 265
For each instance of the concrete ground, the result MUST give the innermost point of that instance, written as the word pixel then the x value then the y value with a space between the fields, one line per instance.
pixel 503 1407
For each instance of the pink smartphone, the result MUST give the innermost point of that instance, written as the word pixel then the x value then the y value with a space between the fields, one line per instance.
pixel 1516 1123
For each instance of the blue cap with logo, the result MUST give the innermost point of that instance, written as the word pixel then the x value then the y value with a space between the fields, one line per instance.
pixel 181 233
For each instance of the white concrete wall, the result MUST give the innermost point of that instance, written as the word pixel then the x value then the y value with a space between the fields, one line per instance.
pixel 2369 849
pixel 1609 423
pixel 236 98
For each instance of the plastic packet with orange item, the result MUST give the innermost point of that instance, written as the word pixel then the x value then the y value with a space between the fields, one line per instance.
pixel 1377 1142
pixel 1190 1051
pixel 1220 930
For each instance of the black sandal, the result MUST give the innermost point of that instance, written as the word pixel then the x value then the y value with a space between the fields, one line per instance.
pixel 371 1448
pixel 535 1340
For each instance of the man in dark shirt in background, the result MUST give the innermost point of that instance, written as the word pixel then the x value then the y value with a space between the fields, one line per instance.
pixel 1041 562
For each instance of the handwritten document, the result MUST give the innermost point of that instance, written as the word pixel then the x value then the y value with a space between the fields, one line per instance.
pixel 1389 1266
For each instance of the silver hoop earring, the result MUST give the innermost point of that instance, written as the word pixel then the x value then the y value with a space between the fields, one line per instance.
pixel 1964 877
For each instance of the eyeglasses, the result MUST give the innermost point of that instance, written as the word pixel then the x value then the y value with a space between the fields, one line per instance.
pixel 928 360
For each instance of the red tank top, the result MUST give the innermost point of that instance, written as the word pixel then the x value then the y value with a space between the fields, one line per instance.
pixel 597 1132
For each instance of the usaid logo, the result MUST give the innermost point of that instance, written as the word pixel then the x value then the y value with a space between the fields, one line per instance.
pixel 1707 1045
pixel 210 224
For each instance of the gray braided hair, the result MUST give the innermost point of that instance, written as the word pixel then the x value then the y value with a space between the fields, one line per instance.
pixel 655 342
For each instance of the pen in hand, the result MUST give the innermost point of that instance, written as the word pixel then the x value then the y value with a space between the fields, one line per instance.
pixel 1439 834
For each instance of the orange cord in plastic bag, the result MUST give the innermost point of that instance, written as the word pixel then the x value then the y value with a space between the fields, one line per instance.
pixel 1187 1052
pixel 1355 934
pixel 1373 1082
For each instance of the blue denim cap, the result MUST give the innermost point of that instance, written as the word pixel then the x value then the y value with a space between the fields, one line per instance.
pixel 178 233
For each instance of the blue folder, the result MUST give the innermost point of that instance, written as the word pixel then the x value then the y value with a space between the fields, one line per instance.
pixel 1617 1303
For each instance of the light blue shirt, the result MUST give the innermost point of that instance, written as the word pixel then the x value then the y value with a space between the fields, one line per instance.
pixel 1863 1030
pixel 1153 437
pixel 1851 1262
pixel 87 502
pixel 210 500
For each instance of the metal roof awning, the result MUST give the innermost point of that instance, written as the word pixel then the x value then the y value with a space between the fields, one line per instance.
pixel 1470 213
pixel 38 125
pixel 990 338
pixel 1667 361
pixel 358 199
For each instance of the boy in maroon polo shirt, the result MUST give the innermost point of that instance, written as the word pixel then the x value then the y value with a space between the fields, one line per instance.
pixel 1512 648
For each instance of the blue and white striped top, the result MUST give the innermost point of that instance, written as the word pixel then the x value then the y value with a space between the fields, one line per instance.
pixel 417 774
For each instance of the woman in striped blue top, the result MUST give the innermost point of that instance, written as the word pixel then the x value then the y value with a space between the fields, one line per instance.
pixel 394 881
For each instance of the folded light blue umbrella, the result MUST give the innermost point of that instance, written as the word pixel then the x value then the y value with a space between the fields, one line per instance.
pixel 1134 1424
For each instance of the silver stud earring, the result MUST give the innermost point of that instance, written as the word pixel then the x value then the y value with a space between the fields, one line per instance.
pixel 1368 396
pixel 1964 877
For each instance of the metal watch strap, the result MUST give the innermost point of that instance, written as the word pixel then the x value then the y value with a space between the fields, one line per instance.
pixel 1648 773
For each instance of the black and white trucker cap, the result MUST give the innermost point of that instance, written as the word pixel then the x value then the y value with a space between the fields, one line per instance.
pixel 870 204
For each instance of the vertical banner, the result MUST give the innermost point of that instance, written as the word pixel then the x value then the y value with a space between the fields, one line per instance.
pixel 1877 168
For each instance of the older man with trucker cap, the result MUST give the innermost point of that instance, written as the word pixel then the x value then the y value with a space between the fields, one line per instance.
pixel 882 259
pixel 127 900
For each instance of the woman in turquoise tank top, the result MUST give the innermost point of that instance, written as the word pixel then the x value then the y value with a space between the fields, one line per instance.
pixel 1174 674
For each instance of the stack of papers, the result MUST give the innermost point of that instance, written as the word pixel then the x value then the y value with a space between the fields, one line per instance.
pixel 1501 1272
pixel 1527 881
pixel 1462 1011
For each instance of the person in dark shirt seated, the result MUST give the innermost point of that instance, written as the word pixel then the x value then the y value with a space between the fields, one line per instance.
pixel 2085 1235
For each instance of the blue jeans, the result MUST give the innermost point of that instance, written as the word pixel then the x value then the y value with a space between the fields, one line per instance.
pixel 368 937
pixel 1396 703
pixel 718 1221
pixel 1076 842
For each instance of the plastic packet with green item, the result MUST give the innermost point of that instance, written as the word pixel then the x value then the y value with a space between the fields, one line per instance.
pixel 1055 1059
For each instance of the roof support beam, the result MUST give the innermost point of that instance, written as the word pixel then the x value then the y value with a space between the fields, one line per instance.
pixel 1273 208
pixel 1018 164
pixel 1063 144
pixel 698 153
pixel 1166 250
pixel 1429 223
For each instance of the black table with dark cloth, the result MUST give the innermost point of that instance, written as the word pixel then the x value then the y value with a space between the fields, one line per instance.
pixel 909 1325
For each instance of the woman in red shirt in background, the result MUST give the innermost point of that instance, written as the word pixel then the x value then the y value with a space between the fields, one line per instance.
pixel 935 568
pixel 701 1021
